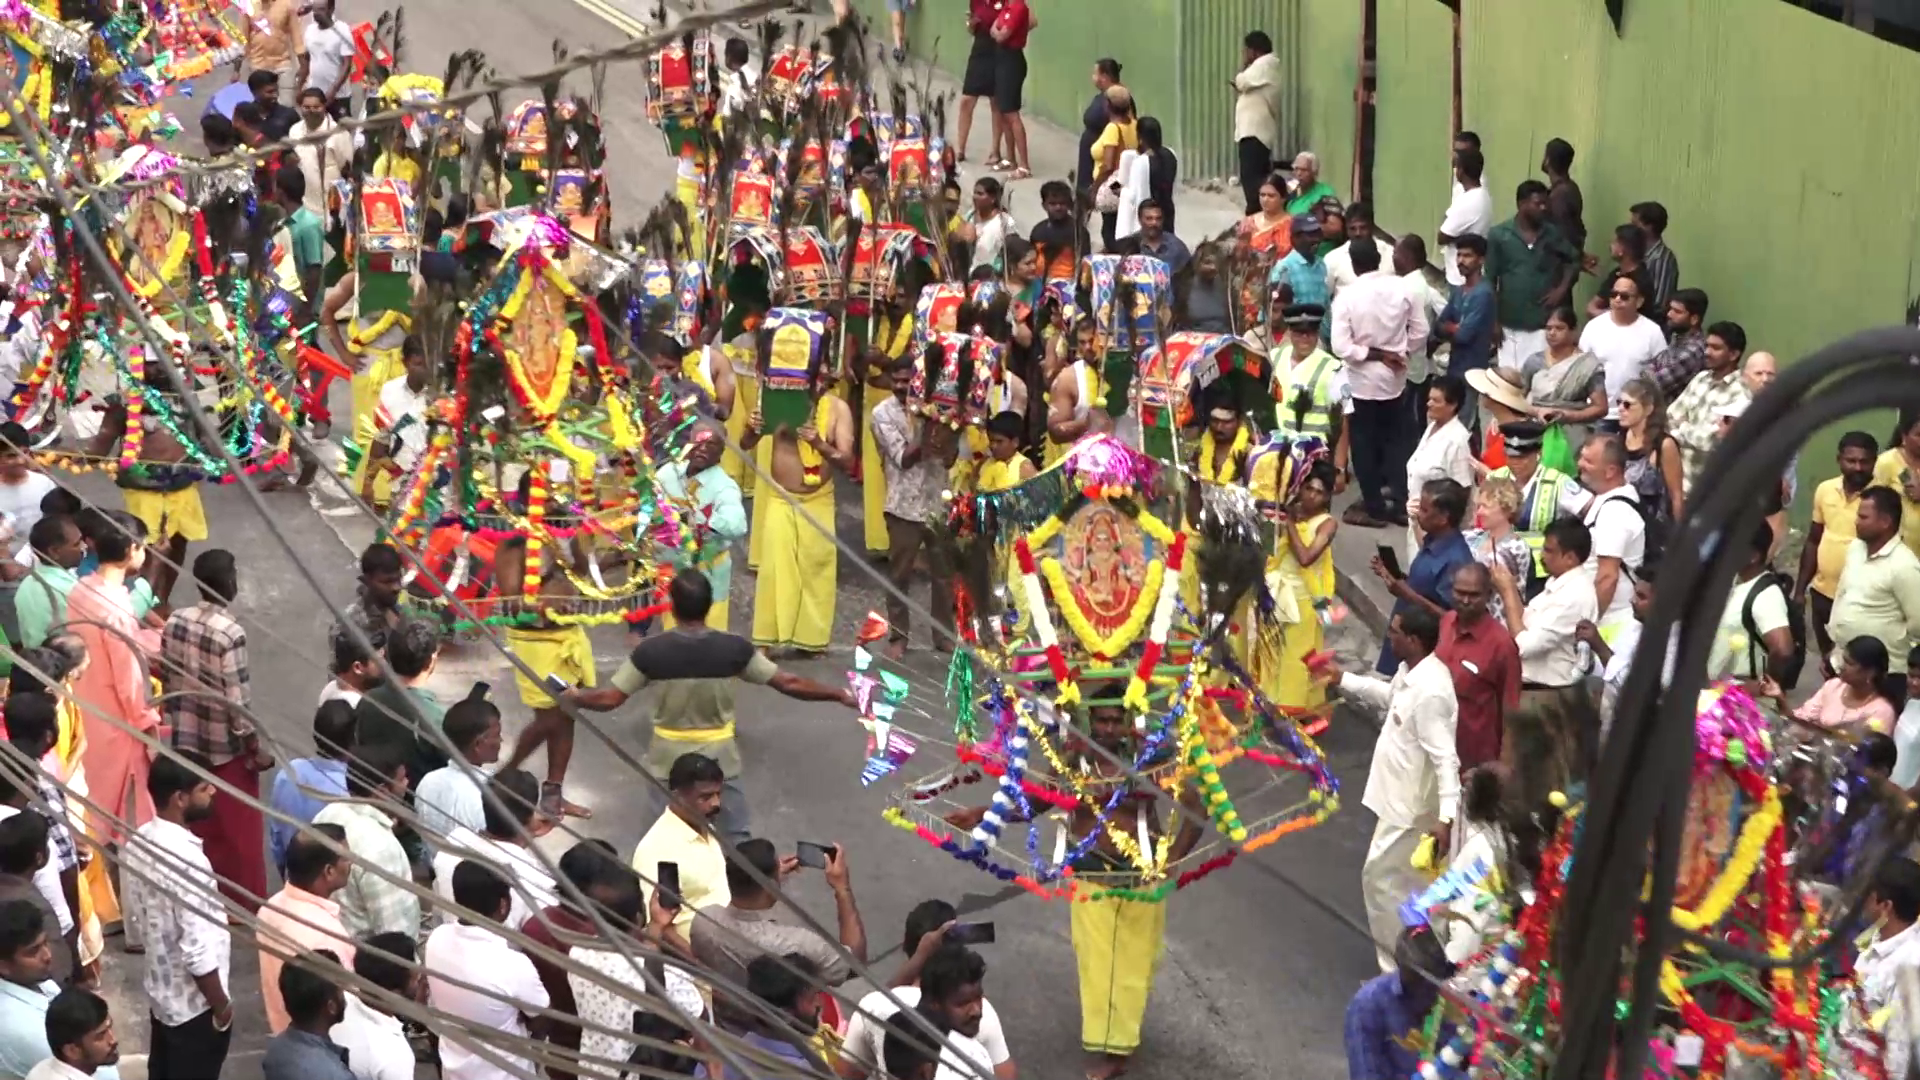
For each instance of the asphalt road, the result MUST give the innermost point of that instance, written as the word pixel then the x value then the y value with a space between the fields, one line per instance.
pixel 1260 960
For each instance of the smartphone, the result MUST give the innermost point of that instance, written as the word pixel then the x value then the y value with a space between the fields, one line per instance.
pixel 812 854
pixel 481 688
pixel 1390 559
pixel 667 880
pixel 971 933
pixel 556 685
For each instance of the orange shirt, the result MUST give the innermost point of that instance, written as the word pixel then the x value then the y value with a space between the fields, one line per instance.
pixel 276 43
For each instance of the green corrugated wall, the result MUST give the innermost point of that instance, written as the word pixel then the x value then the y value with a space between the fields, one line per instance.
pixel 1413 100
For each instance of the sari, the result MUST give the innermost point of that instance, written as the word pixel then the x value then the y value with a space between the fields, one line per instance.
pixel 1564 385
pixel 98 904
pixel 1276 237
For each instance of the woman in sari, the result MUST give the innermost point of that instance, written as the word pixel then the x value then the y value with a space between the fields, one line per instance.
pixel 1270 230
pixel 64 659
pixel 1565 385
pixel 1304 550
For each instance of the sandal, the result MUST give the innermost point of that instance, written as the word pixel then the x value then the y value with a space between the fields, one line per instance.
pixel 1002 165
pixel 1021 174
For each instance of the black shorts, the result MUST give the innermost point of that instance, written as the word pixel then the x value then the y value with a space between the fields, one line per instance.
pixel 1009 79
pixel 982 67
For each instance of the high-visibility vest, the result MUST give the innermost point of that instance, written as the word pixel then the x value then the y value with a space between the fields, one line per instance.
pixel 1314 374
pixel 1538 509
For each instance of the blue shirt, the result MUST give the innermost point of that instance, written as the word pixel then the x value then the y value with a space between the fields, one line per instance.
pixel 322 775
pixel 301 1055
pixel 779 1049
pixel 1307 276
pixel 1472 308
pixel 1431 575
pixel 1383 1030
pixel 229 98
pixel 23 1028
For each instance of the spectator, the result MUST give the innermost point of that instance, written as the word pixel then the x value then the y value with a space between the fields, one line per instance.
pixel 987 226
pixel 726 938
pixel 1653 454
pixel 1662 265
pixel 511 820
pixel 1485 664
pixel 302 788
pixel 1093 121
pixel 1121 135
pixel 1149 175
pixel 1618 532
pixel 1413 785
pixel 1628 248
pixel 1155 237
pixel 1686 353
pixel 22 487
pixel 354 669
pixel 1879 587
pixel 303 916
pixel 1469 214
pixel 694 666
pixel 303 236
pixel 507 990
pixel 1467 321
pixel 1312 385
pixel 1554 723
pixel 170 893
pixel 1010 29
pixel 394 713
pixel 33 728
pixel 274 41
pixel 329 57
pixel 1891 908
pixel 738 80
pixel 1564 204
pixel 981 80
pixel 1497 506
pixel 789 986
pixel 1257 89
pixel 1694 415
pixel 80 1034
pixel 1428 581
pixel 1207 308
pixel 315 1003
pixel 905 1055
pixel 449 797
pixel 1305 191
pixel 619 892
pixel 1616 657
pixel 276 121
pixel 217 132
pixel 1385 1017
pixel 1300 277
pixel 683 836
pixel 209 689
pixel 373 1036
pixel 1445 451
pixel 1898 467
pixel 1427 288
pixel 40 603
pixel 1906 731
pixel 1531 266
pixel 915 457
pixel 1376 325
pixel 25 876
pixel 1062 238
pixel 27 984
pixel 113 683
pixel 373 904
pixel 873 1018
pixel 590 868
pixel 1623 339
pixel 1836 506
pixel 379 604
pixel 1853 703
pixel 1360 230
pixel 1757 614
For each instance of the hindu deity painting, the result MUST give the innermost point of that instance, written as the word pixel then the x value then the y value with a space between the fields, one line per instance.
pixel 1103 553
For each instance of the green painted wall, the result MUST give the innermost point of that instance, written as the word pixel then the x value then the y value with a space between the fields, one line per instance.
pixel 1413 102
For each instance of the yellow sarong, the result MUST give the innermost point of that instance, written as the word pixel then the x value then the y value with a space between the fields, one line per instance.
pixel 793 596
pixel 382 368
pixel 560 650
pixel 168 514
pixel 1051 452
pixel 1282 672
pixel 873 483
pixel 1117 944
pixel 746 398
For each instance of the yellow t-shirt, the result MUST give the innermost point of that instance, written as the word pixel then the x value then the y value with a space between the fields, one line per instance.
pixel 1124 135
pixel 1835 511
pixel 1887 471
pixel 387 166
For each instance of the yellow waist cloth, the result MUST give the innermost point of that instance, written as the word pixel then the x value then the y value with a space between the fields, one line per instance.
pixel 793 599
pixel 1117 946
pixel 705 734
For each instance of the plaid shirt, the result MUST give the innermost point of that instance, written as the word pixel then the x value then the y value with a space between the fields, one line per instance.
pixel 1694 418
pixel 59 834
pixel 203 650
pixel 370 904
pixel 1675 366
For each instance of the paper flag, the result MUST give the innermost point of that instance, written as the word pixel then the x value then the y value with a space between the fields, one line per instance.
pixel 883 710
pixel 876 768
pixel 862 659
pixel 894 686
pixel 863 688
pixel 873 629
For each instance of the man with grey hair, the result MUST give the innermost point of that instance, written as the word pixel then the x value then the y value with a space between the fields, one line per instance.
pixel 1619 531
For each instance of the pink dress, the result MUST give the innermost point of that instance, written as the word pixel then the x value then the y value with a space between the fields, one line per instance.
pixel 113 695
pixel 1827 709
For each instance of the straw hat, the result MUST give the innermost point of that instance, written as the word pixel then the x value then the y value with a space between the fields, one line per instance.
pixel 1494 384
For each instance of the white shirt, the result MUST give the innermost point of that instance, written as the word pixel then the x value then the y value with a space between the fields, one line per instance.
pixel 478 956
pixel 321 163
pixel 1377 312
pixel 736 88
pixel 171 890
pixel 1877 973
pixel 375 1042
pixel 1769 614
pixel 595 1004
pixel 449 798
pixel 55 1069
pixel 1136 179
pixel 1256 102
pixel 1906 742
pixel 398 401
pixel 1470 213
pixel 20 505
pixel 1624 350
pixel 328 53
pixel 1339 263
pixel 1619 532
pixel 990 239
pixel 867 1034
pixel 1445 452
pixel 1415 777
pixel 47 878
pixel 1432 301
pixel 533 887
pixel 1549 656
pixel 335 690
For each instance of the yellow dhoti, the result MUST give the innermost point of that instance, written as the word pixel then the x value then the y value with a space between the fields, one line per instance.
pixel 1281 667
pixel 561 650
pixel 746 398
pixel 383 367
pixel 168 514
pixel 873 494
pixel 1117 944
pixel 1051 452
pixel 793 596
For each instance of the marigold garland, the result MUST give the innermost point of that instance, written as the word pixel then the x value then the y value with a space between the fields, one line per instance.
pixel 1740 868
pixel 1216 470
pixel 1109 646
pixel 178 248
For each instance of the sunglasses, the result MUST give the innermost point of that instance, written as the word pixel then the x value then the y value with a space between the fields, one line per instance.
pixel 1625 296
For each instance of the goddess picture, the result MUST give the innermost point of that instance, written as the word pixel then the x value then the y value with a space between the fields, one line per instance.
pixel 1104 556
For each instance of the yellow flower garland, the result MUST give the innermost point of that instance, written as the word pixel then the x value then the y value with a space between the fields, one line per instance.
pixel 358 341
pixel 1747 852
pixel 170 264
pixel 1123 635
pixel 1211 467
pixel 548 404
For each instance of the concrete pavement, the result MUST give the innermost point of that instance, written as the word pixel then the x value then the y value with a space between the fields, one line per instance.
pixel 1260 960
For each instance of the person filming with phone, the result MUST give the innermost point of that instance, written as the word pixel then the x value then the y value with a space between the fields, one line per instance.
pixel 726 939
pixel 941 977
pixel 1428 582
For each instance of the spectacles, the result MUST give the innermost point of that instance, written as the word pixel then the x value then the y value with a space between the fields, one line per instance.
pixel 1625 296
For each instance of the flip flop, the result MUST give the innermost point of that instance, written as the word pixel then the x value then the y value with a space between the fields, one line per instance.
pixel 1021 174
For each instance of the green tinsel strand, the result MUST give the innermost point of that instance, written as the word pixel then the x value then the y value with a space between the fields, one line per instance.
pixel 966 727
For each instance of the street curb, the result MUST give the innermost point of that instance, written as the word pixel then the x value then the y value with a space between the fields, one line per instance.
pixel 1359 604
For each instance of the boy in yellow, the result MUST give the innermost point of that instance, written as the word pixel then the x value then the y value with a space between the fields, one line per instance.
pixel 793 599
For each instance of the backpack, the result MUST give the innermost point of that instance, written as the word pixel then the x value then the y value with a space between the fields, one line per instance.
pixel 1655 527
pixel 1789 675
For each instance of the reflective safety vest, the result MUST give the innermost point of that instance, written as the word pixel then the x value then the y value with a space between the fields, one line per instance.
pixel 1539 505
pixel 1312 376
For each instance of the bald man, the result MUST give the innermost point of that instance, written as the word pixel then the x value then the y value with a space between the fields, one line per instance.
pixel 1756 375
